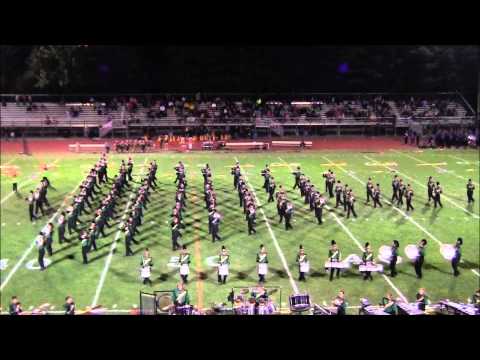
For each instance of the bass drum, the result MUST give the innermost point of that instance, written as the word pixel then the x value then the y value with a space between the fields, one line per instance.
pixel 164 303
pixel 411 251
pixel 385 254
pixel 447 251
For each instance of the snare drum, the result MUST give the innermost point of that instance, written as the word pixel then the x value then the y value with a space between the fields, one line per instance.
pixel 184 310
pixel 305 267
pixel 184 269
pixel 262 269
pixel 145 272
pixel 299 302
pixel 223 270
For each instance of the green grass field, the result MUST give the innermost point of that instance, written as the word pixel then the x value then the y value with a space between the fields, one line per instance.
pixel 120 289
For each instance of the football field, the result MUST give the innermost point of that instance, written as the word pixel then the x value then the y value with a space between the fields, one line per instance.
pixel 113 280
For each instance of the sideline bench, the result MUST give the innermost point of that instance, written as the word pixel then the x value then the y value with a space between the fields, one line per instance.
pixel 87 147
pixel 247 145
pixel 292 143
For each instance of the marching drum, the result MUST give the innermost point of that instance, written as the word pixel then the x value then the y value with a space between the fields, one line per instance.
pixel 164 302
pixel 299 302
pixel 385 254
pixel 412 252
pixel 184 269
pixel 447 251
pixel 336 265
pixel 145 272
pixel 371 267
pixel 251 307
pixel 184 310
pixel 305 267
pixel 262 269
pixel 223 270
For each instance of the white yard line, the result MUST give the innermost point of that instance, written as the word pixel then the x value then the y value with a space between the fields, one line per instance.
pixel 108 261
pixel 29 250
pixel 422 185
pixel 475 272
pixel 272 235
pixel 405 215
pixel 436 167
pixel 355 240
pixel 474 163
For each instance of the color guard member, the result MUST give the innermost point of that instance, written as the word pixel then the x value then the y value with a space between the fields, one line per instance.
pixel 262 261
pixel 184 261
pixel 223 265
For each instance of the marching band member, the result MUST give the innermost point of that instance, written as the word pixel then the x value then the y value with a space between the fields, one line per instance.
pixel 350 204
pixel 318 206
pixel 369 189
pixel 420 258
pixel 61 228
pixel 422 299
pixel 251 216
pixel 180 295
pixel 393 259
pixel 175 224
pixel 41 243
pixel 48 232
pixel 15 307
pixel 266 175
pixel 184 261
pixel 85 246
pixel 297 175
pixel 470 188
pixel 271 189
pixel 334 256
pixel 475 300
pixel 69 306
pixel 395 188
pixel 288 215
pixel 409 196
pixel 338 194
pixel 457 256
pixel 303 264
pixel 376 196
pixel 345 193
pixel 430 190
pixel 436 195
pixel 340 303
pixel 146 264
pixel 215 224
pixel 31 202
pixel 389 304
pixel 223 264
pixel 262 262
pixel 367 260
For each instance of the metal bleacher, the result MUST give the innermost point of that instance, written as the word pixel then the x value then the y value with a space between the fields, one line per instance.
pixel 51 113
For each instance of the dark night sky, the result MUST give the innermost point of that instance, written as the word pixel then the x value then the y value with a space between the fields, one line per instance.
pixel 113 69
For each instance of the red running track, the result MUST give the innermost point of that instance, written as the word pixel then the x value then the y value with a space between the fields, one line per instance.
pixel 40 146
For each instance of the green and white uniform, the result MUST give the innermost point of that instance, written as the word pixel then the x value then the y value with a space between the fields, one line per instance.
pixel 146 267
pixel 303 264
pixel 223 264
pixel 262 261
pixel 184 260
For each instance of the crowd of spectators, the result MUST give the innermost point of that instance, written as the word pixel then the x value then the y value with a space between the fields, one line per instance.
pixel 450 137
pixel 202 109
pixel 371 109
pixel 420 108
